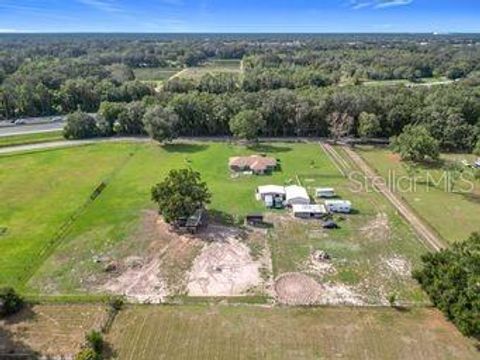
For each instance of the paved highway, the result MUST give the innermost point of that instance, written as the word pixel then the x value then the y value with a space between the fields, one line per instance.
pixel 30 129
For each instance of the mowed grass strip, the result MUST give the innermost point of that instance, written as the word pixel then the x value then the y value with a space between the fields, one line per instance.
pixel 14 140
pixel 240 332
pixel 213 67
pixel 454 215
pixel 40 191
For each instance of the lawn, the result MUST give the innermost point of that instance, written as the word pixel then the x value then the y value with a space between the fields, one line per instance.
pixel 240 332
pixel 454 215
pixel 30 138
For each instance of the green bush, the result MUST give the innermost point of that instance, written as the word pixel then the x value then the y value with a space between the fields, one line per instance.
pixel 10 302
pixel 94 341
pixel 452 280
pixel 87 354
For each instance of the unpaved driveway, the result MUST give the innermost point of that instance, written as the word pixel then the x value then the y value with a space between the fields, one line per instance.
pixel 429 237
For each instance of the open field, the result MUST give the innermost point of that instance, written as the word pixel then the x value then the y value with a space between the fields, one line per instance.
pixel 155 74
pixel 30 138
pixel 421 82
pixel 457 217
pixel 372 254
pixel 221 332
pixel 48 330
pixel 213 67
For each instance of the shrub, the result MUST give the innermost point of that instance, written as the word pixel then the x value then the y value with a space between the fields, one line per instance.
pixel 10 302
pixel 87 354
pixel 94 341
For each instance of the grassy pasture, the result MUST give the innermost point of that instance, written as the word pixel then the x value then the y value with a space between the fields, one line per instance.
pixel 454 215
pixel 30 138
pixel 59 181
pixel 370 238
pixel 155 74
pixel 213 67
pixel 220 332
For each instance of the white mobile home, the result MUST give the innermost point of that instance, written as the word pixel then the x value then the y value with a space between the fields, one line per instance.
pixel 275 191
pixel 325 192
pixel 338 206
pixel 315 211
pixel 296 195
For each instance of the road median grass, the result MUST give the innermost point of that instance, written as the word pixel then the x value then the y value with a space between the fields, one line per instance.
pixel 27 139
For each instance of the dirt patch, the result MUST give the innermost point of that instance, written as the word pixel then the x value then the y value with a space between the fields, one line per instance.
pixel 399 265
pixel 318 265
pixel 301 289
pixel 297 289
pixel 225 266
pixel 157 268
pixel 377 229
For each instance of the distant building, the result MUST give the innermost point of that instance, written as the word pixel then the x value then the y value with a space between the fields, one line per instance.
pixel 311 211
pixel 296 195
pixel 338 206
pixel 270 190
pixel 325 192
pixel 257 164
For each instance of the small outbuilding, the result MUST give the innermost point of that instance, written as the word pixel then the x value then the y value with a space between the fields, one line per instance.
pixel 274 191
pixel 311 211
pixel 295 195
pixel 338 206
pixel 254 219
pixel 325 192
pixel 198 220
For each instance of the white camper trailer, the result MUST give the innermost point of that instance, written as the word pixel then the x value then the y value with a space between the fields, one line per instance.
pixel 325 192
pixel 338 206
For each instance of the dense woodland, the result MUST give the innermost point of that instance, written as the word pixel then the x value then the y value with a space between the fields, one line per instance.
pixel 299 85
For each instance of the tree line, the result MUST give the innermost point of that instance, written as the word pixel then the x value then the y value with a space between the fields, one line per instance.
pixel 450 114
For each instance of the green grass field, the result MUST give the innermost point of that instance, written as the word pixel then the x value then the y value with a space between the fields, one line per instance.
pixel 213 67
pixel 239 332
pixel 47 187
pixel 454 215
pixel 155 74
pixel 30 138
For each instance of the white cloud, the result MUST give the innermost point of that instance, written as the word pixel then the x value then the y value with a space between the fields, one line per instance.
pixel 377 4
pixel 103 5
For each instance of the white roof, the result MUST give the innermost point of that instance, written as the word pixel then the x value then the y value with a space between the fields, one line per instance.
pixel 338 202
pixel 325 190
pixel 271 189
pixel 294 191
pixel 312 208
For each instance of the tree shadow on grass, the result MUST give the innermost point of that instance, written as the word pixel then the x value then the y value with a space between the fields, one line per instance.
pixel 268 148
pixel 183 148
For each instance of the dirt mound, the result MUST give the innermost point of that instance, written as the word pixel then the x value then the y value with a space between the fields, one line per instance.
pixel 297 289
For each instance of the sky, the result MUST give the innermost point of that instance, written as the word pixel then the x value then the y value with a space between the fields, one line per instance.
pixel 322 16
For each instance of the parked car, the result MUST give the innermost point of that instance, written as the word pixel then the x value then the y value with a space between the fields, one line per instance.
pixel 330 225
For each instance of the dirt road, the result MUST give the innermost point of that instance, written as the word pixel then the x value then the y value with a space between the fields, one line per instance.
pixel 427 235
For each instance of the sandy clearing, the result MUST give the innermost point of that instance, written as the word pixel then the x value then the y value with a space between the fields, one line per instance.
pixel 224 268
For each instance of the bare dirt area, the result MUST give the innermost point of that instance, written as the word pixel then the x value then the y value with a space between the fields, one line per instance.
pixel 377 229
pixel 226 266
pixel 157 268
pixel 51 331
pixel 398 265
pixel 301 289
pixel 217 261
